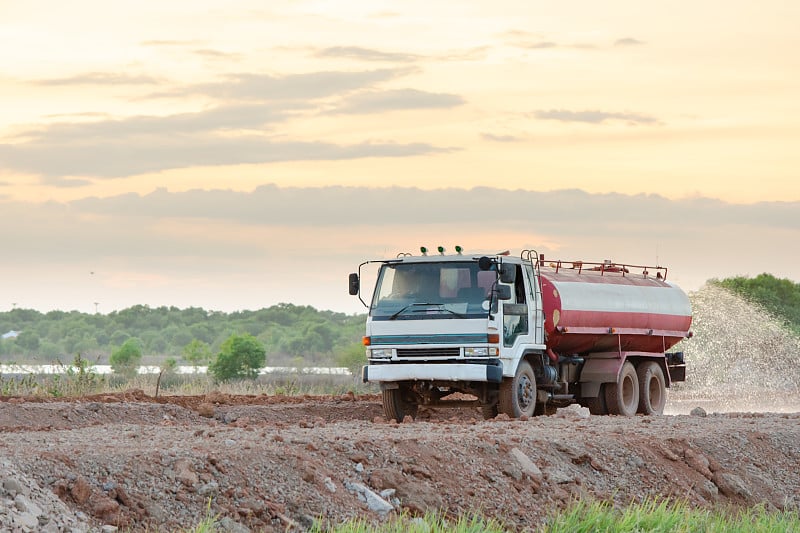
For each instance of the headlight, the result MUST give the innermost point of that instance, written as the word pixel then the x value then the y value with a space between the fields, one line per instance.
pixel 380 353
pixel 476 352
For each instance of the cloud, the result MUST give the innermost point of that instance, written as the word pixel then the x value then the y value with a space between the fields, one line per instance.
pixel 244 116
pixel 534 41
pixel 400 99
pixel 306 86
pixel 100 78
pixel 628 41
pixel 230 134
pixel 365 54
pixel 594 117
pixel 118 157
pixel 539 45
pixel 500 138
pixel 209 53
pixel 235 250
pixel 353 206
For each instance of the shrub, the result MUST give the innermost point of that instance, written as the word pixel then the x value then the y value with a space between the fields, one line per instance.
pixel 125 359
pixel 197 353
pixel 240 356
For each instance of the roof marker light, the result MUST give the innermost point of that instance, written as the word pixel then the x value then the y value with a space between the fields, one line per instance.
pixel 441 250
pixel 423 250
pixel 459 250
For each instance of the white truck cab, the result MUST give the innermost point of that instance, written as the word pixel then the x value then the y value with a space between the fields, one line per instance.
pixel 445 324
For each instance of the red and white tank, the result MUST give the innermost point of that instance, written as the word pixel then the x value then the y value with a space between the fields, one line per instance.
pixel 604 307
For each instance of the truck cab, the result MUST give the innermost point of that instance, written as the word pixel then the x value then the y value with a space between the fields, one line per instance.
pixel 448 324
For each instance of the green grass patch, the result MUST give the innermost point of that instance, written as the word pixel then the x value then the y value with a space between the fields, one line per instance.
pixel 662 516
pixel 430 523
pixel 650 516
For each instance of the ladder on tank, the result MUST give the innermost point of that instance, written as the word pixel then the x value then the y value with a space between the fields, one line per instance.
pixel 532 256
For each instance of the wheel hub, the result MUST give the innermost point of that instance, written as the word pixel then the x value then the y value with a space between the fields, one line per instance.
pixel 525 392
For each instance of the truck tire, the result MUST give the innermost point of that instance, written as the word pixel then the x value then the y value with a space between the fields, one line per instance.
pixel 652 388
pixel 396 406
pixel 597 405
pixel 622 397
pixel 518 394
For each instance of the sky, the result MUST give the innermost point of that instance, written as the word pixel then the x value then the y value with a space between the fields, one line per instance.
pixel 235 155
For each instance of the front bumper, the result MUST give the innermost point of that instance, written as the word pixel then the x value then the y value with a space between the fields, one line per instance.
pixel 491 373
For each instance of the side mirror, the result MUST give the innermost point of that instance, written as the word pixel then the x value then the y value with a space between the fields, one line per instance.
pixel 355 284
pixel 503 292
pixel 508 273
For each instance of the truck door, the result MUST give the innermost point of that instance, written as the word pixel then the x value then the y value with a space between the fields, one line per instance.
pixel 516 323
pixel 535 304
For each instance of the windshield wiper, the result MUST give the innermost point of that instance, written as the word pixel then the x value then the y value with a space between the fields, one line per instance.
pixel 426 304
pixel 400 312
pixel 444 307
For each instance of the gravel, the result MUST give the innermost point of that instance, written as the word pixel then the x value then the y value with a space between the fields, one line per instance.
pixel 260 463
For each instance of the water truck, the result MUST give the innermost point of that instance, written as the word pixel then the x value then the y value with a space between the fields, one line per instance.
pixel 521 335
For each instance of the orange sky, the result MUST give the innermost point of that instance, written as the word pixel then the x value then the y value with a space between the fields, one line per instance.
pixel 681 100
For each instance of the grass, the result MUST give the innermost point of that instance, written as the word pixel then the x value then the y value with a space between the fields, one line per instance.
pixel 650 516
pixel 664 516
pixel 79 380
pixel 430 523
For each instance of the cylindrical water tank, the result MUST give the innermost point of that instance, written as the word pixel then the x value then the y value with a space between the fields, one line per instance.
pixel 598 310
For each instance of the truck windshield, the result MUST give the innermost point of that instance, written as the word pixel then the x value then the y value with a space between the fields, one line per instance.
pixel 424 291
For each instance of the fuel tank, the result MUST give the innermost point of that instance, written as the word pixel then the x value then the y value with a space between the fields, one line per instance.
pixel 610 309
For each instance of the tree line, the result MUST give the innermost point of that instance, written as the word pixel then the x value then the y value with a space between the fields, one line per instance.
pixel 289 333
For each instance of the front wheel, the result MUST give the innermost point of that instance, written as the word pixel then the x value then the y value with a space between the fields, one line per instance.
pixel 622 397
pixel 518 394
pixel 397 404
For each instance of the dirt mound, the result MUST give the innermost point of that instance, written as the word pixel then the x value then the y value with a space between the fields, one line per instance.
pixel 267 463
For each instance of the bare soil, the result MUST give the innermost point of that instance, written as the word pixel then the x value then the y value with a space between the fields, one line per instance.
pixel 275 463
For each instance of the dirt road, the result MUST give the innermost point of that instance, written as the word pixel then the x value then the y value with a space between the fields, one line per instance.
pixel 267 463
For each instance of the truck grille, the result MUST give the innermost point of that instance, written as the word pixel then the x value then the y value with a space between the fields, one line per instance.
pixel 428 352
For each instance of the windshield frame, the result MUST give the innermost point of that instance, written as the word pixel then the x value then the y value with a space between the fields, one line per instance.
pixel 445 290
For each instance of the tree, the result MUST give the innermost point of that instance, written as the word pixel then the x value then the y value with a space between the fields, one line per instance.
pixel 240 356
pixel 125 360
pixel 28 340
pixel 197 353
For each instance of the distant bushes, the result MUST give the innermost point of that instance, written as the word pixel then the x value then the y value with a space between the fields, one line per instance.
pixel 286 331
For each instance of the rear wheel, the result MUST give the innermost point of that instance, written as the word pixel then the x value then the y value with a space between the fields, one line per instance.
pixel 397 404
pixel 518 394
pixel 652 388
pixel 622 397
